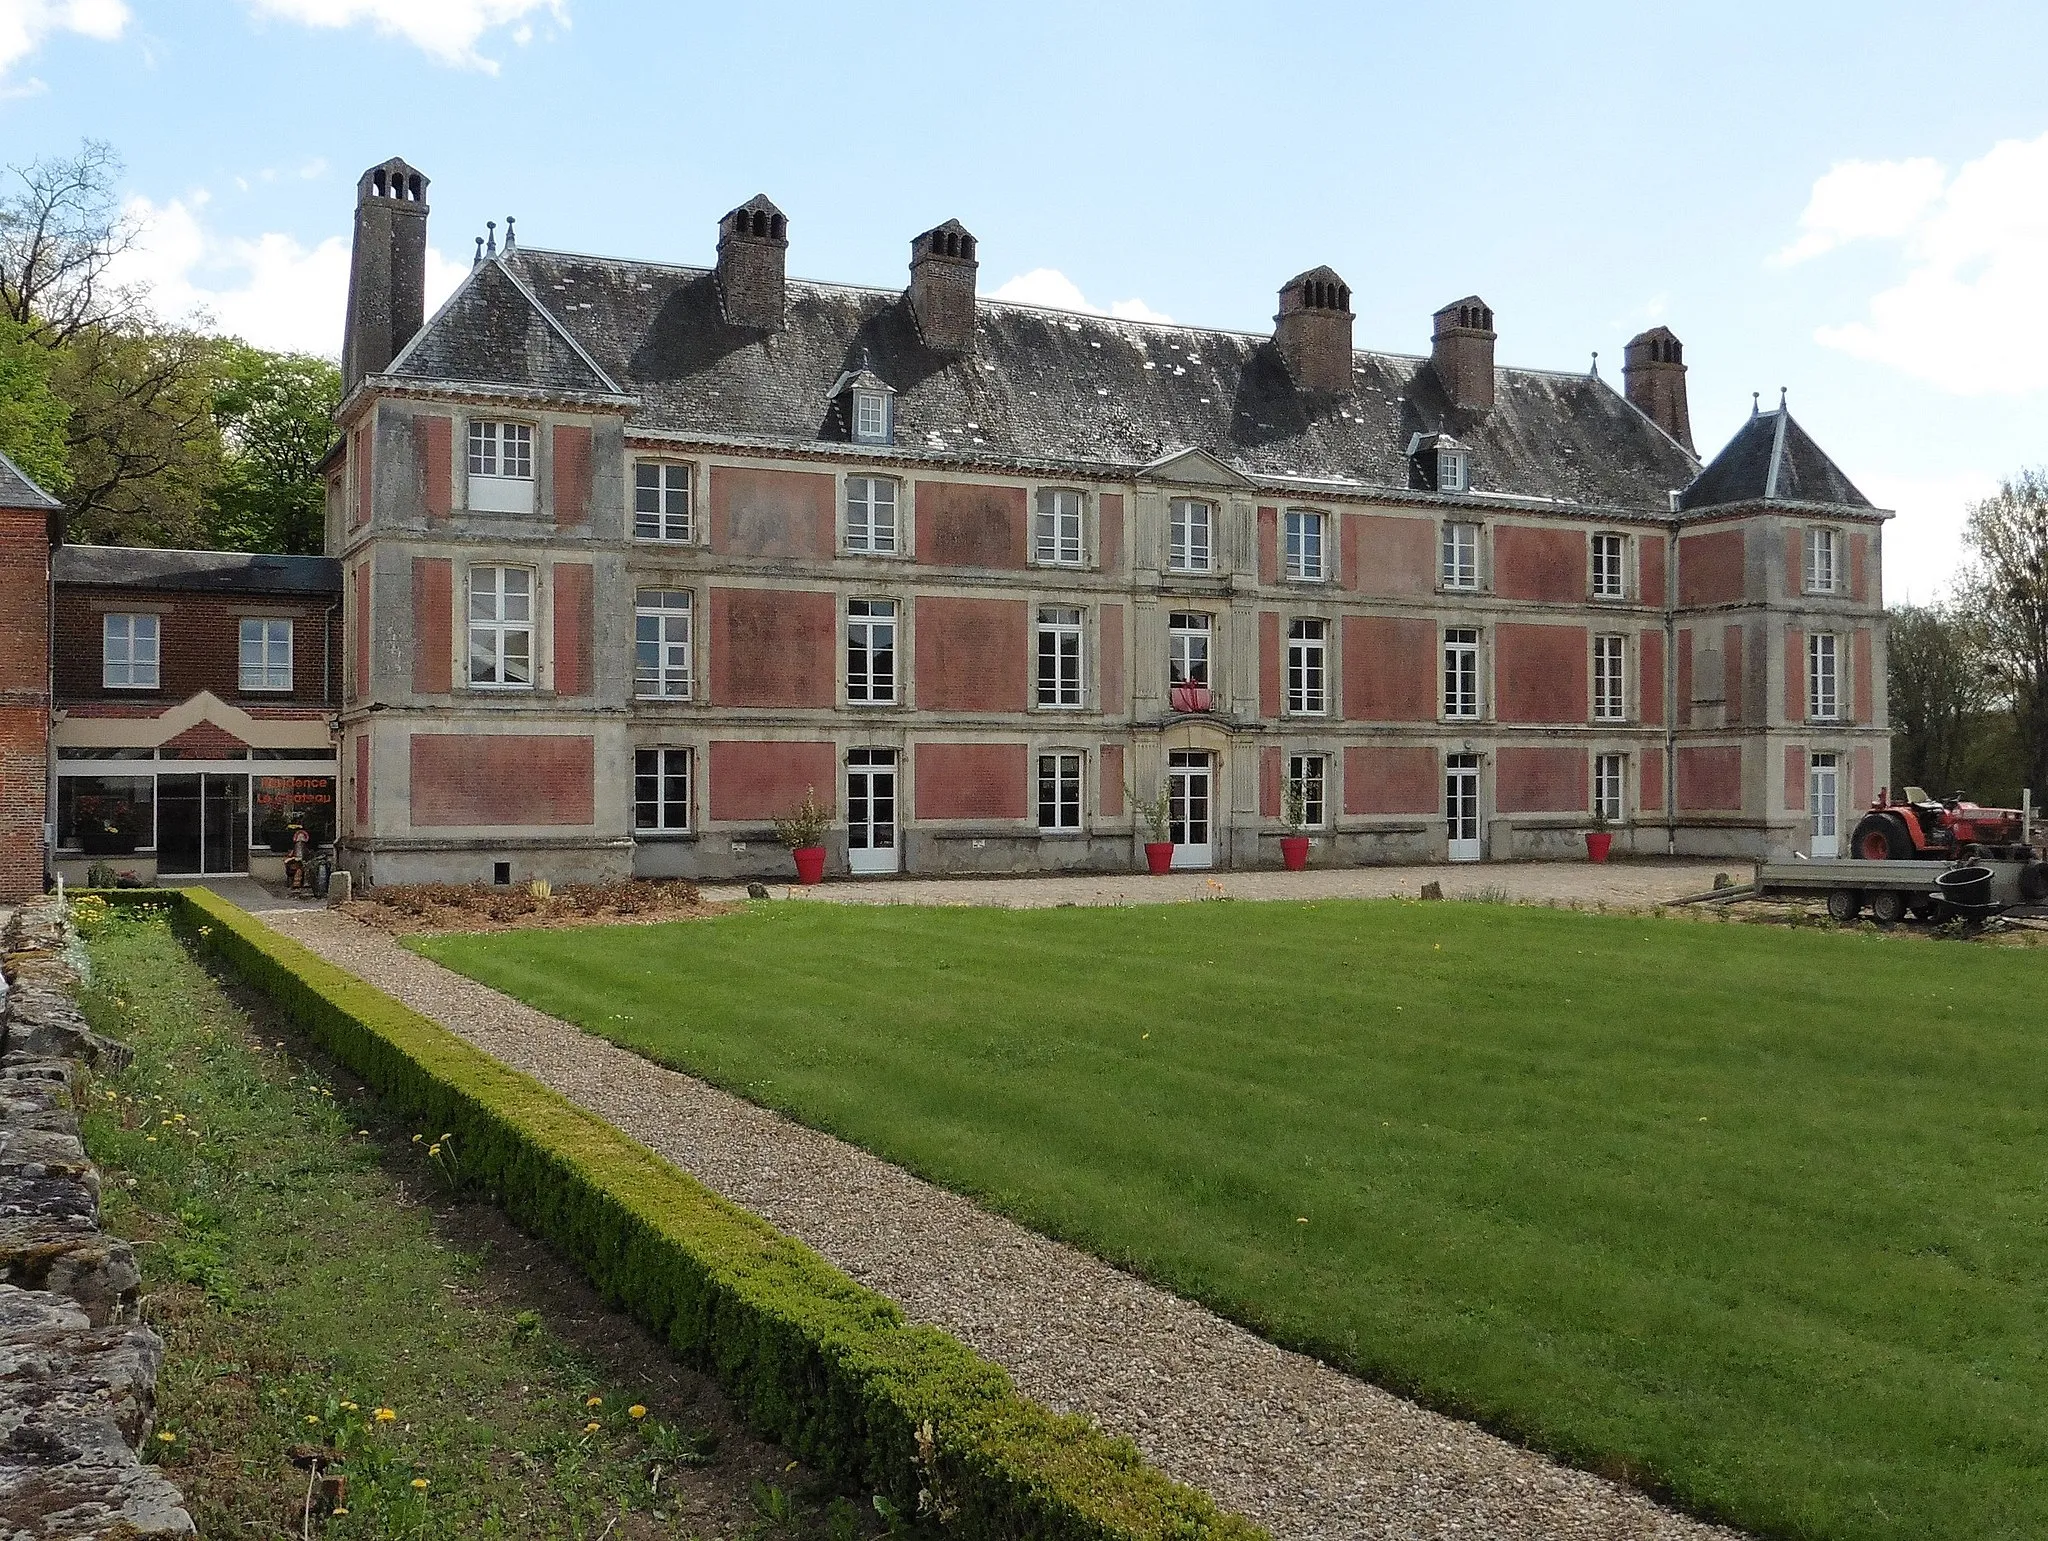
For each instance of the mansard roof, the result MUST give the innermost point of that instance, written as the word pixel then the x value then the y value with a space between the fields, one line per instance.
pixel 1038 388
pixel 1772 459
pixel 17 490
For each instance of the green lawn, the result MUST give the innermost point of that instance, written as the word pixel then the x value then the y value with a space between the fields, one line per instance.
pixel 1755 1216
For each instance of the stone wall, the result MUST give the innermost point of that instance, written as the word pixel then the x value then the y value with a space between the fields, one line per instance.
pixel 77 1366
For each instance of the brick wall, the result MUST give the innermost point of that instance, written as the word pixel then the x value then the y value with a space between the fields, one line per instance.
pixel 24 700
pixel 972 781
pixel 1390 669
pixel 490 780
pixel 1711 567
pixel 199 644
pixel 572 585
pixel 764 780
pixel 1653 551
pixel 1111 791
pixel 1650 794
pixel 1540 779
pixel 1385 556
pixel 1650 678
pixel 1547 564
pixel 772 513
pixel 1111 527
pixel 973 654
pixel 1271 774
pixel 433 441
pixel 966 524
pixel 571 476
pixel 1710 779
pixel 1110 655
pixel 433 614
pixel 1541 673
pixel 1391 779
pixel 1795 776
pixel 773 647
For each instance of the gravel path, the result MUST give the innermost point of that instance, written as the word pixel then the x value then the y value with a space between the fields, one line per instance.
pixel 1304 1449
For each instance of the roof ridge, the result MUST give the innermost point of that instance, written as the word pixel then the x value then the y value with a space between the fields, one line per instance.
pixel 561 330
pixel 1777 455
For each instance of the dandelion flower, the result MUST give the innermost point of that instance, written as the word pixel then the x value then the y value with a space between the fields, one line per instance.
pixel 420 1483
pixel 417 1138
pixel 636 1412
pixel 433 1150
pixel 342 1510
pixel 590 1428
pixel 348 1407
pixel 593 1401
pixel 312 1417
pixel 383 1415
pixel 166 1436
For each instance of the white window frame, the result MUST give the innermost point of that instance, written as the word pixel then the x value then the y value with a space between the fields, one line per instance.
pixel 1309 774
pixel 1462 697
pixel 870 531
pixel 669 489
pixel 1822 559
pixel 1610 677
pixel 1058 681
pixel 1823 677
pixel 1308 667
pixel 1610 787
pixel 131 650
pixel 1610 579
pixel 1191 536
pixel 499 627
pixel 664 620
pixel 872 631
pixel 500 466
pixel 1458 556
pixel 871 417
pixel 1305 543
pixel 1190 638
pixel 1453 471
pixel 665 772
pixel 1058 526
pixel 1062 785
pixel 272 639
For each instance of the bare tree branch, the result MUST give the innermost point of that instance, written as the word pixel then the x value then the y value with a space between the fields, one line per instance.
pixel 61 229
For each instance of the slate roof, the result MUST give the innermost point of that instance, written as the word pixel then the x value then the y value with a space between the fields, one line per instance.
pixel 213 572
pixel 1039 388
pixel 18 491
pixel 1772 459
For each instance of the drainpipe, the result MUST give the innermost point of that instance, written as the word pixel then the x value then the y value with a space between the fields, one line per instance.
pixel 50 710
pixel 1671 690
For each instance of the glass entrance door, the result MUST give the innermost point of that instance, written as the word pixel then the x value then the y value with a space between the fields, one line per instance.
pixel 1823 796
pixel 1461 807
pixel 202 824
pixel 178 823
pixel 871 844
pixel 1190 776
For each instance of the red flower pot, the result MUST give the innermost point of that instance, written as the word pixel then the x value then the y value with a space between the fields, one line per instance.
pixel 1294 851
pixel 1598 844
pixel 810 863
pixel 1158 857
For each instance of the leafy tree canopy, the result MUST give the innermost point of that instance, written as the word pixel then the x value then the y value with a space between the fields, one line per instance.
pixel 33 417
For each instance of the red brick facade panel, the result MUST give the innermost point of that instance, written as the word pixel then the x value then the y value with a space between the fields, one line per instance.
pixel 1539 563
pixel 1111 525
pixel 1391 780
pixel 24 788
pixel 1684 677
pixel 1859 673
pixel 1388 557
pixel 434 439
pixel 571 476
pixel 572 584
pixel 1652 548
pixel 972 781
pixel 1111 792
pixel 202 741
pixel 433 614
pixel 1110 645
pixel 1732 694
pixel 199 645
pixel 1710 779
pixel 762 780
pixel 24 699
pixel 758 512
pixel 1269 663
pixel 772 647
pixel 1795 561
pixel 972 655
pixel 1531 779
pixel 1271 774
pixel 1862 786
pixel 1390 669
pixel 1795 674
pixel 1650 678
pixel 1269 545
pixel 967 524
pixel 1541 673
pixel 1795 775
pixel 362 788
pixel 1650 794
pixel 359 684
pixel 1711 567
pixel 496 780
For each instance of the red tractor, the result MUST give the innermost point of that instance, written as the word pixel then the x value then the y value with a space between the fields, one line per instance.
pixel 1924 829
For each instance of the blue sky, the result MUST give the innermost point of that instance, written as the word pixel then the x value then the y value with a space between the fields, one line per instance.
pixel 1847 200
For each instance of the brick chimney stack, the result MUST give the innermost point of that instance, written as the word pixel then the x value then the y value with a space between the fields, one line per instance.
pixel 753 248
pixel 1313 331
pixel 942 275
pixel 387 269
pixel 1461 350
pixel 1653 376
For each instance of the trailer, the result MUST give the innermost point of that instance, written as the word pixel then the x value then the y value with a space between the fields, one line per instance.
pixel 1893 890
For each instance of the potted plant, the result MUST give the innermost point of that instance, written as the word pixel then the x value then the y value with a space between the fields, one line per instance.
pixel 1294 814
pixel 1599 839
pixel 1157 813
pixel 802 829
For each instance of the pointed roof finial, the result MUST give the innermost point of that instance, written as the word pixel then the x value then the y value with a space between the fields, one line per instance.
pixel 1596 364
pixel 479 252
pixel 1754 398
pixel 491 247
pixel 1781 398
pixel 508 232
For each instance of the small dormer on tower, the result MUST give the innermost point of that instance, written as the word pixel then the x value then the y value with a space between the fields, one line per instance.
pixel 387 269
pixel 1438 462
pixel 1313 331
pixel 864 406
pixel 1461 351
pixel 753 246
pixel 943 270
pixel 1653 376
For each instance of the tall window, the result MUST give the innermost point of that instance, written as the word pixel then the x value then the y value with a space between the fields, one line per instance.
pixel 1607 582
pixel 661 501
pixel 661 644
pixel 1305 785
pixel 1059 790
pixel 870 652
pixel 1607 782
pixel 1823 677
pixel 1187 648
pixel 870 514
pixel 1307 656
pixel 1461 673
pixel 1188 545
pixel 1059 657
pixel 266 655
pixel 501 627
pixel 1460 565
pixel 1057 528
pixel 500 467
pixel 661 789
pixel 1305 544
pixel 1609 703
pixel 128 652
pixel 1821 566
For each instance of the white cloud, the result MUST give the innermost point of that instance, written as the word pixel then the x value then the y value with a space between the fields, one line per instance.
pixel 25 23
pixel 1054 290
pixel 449 30
pixel 1967 316
pixel 1864 200
pixel 1923 547
pixel 271 290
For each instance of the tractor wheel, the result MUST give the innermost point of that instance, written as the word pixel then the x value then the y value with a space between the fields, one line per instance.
pixel 1887 906
pixel 1881 837
pixel 1843 905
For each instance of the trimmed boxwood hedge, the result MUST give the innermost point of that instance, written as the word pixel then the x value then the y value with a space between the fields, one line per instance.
pixel 812 1359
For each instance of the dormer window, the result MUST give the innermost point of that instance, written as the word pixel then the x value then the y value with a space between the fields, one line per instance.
pixel 865 406
pixel 870 417
pixel 1439 463
pixel 1453 467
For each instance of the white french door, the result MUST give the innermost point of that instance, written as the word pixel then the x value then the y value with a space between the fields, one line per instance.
pixel 1190 785
pixel 1824 798
pixel 872 845
pixel 1461 807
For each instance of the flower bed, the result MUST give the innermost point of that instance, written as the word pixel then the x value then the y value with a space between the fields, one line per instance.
pixel 415 907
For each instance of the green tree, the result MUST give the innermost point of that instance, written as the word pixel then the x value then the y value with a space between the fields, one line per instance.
pixel 1935 680
pixel 145 451
pixel 32 417
pixel 274 414
pixel 2008 591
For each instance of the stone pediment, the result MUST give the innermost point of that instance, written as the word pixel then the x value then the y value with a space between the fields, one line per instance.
pixel 1193 468
pixel 201 721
